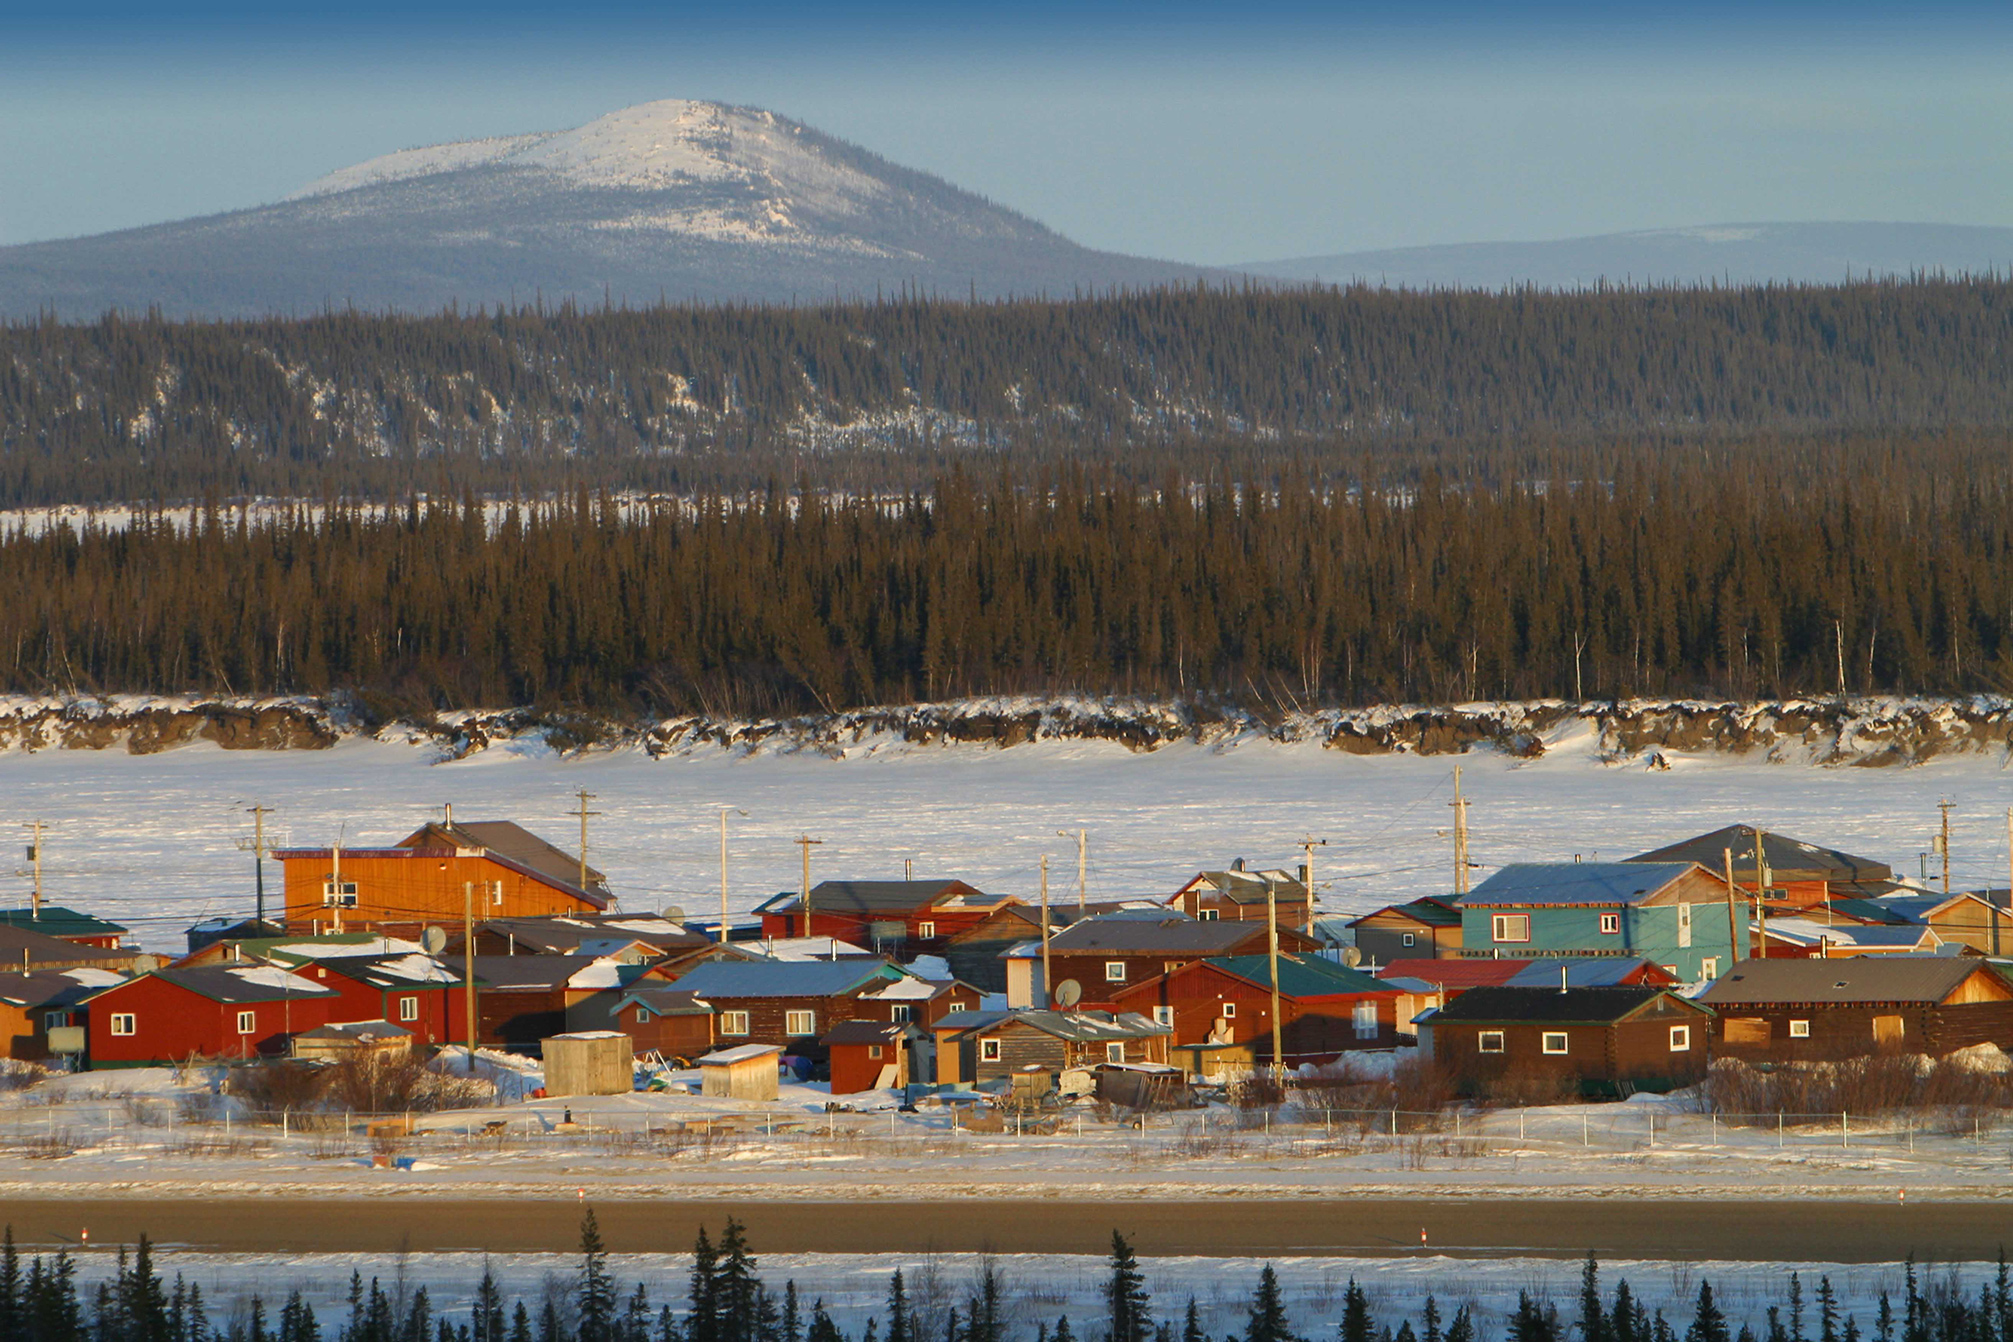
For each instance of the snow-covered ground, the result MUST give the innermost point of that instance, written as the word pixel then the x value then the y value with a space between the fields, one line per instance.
pixel 1040 1287
pixel 151 840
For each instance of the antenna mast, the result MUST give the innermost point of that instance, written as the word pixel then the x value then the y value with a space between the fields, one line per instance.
pixel 585 797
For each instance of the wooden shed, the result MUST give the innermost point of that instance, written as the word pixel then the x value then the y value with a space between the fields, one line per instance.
pixel 352 1039
pixel 869 1055
pixel 1817 1010
pixel 748 1072
pixel 593 1062
pixel 1604 1041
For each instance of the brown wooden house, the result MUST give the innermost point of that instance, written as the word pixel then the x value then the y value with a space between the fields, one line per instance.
pixel 1324 1009
pixel 32 1004
pixel 1794 872
pixel 522 999
pixel 1601 1040
pixel 1238 895
pixel 869 1055
pixel 905 918
pixel 789 1003
pixel 1820 1010
pixel 1105 956
pixel 672 1022
pixel 980 1046
pixel 1425 929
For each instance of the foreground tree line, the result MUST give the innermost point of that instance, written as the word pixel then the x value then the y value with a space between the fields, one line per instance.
pixel 687 398
pixel 727 1301
pixel 1761 570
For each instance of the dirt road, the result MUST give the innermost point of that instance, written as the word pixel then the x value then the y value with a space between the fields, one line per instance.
pixel 1622 1228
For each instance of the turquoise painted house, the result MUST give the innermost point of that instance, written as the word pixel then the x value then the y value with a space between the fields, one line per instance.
pixel 1671 913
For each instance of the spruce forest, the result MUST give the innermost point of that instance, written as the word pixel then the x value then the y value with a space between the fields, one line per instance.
pixel 1291 498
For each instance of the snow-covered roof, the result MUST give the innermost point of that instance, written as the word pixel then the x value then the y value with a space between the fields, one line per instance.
pixel 603 973
pixel 907 990
pixel 741 1053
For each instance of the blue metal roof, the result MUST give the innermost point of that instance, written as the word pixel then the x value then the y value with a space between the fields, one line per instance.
pixel 783 978
pixel 1605 971
pixel 1610 883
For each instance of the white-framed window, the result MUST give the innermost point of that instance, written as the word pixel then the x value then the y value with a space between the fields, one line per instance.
pixel 1510 927
pixel 733 1022
pixel 873 1050
pixel 644 1015
pixel 339 894
pixel 1708 968
pixel 1206 915
pixel 1672 970
pixel 1552 1041
pixel 800 1023
pixel 1798 1029
pixel 1364 1017
pixel 248 1022
pixel 925 931
pixel 496 893
pixel 1684 924
pixel 1163 1015
pixel 55 1020
pixel 1114 1052
pixel 1611 924
pixel 1489 1041
pixel 1114 971
pixel 124 1023
pixel 989 1050
pixel 900 1012
pixel 1680 1038
pixel 408 1008
pixel 1411 940
pixel 1230 1011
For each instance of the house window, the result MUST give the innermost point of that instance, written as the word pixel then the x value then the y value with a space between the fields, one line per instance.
pixel 1510 927
pixel 1887 1029
pixel 989 1050
pixel 1114 971
pixel 1411 940
pixel 733 1022
pixel 1489 1041
pixel 900 1012
pixel 873 1050
pixel 1680 1038
pixel 56 1020
pixel 924 931
pixel 1365 1017
pixel 408 1008
pixel 339 894
pixel 1206 916
pixel 1163 1015
pixel 1114 1052
pixel 1708 968
pixel 1611 924
pixel 122 1024
pixel 1684 924
pixel 799 1023
pixel 1230 1011
pixel 1553 1041
pixel 496 894
pixel 644 1015
pixel 1799 1029
pixel 248 1022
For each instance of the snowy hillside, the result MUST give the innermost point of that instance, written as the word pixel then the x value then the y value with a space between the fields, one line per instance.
pixel 675 199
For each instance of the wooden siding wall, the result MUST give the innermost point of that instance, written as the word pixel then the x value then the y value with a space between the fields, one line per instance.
pixel 768 1023
pixel 412 891
pixel 1847 1031
pixel 1311 1029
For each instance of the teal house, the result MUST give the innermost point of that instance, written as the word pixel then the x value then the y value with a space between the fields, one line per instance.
pixel 1675 914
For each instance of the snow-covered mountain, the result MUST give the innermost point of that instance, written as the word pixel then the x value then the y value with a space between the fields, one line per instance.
pixel 672 199
pixel 1711 254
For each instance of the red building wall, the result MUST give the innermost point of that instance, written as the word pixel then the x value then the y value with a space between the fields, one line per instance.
pixel 171 1023
pixel 857 1067
pixel 442 1007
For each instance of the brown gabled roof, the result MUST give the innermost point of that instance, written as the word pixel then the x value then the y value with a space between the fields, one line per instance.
pixel 1788 859
pixel 511 841
pixel 1573 1006
pixel 1859 978
pixel 23 949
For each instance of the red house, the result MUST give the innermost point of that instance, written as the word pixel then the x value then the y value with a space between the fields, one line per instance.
pixel 416 992
pixel 1324 1009
pixel 220 1011
pixel 905 918
pixel 869 1055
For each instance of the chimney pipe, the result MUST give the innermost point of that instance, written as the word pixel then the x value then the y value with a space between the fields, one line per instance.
pixel 1562 978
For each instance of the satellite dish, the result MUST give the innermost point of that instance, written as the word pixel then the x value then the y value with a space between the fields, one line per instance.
pixel 1068 993
pixel 434 940
pixel 1352 956
pixel 673 914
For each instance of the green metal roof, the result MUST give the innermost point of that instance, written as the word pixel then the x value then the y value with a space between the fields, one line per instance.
pixel 1301 976
pixel 55 921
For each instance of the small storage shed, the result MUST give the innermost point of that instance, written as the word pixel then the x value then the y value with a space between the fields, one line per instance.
pixel 593 1062
pixel 744 1073
pixel 869 1055
pixel 353 1039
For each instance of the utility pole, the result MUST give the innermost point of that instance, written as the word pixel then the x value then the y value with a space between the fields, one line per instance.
pixel 807 843
pixel 1047 984
pixel 1995 911
pixel 468 964
pixel 1272 955
pixel 1309 843
pixel 1760 896
pixel 1082 865
pixel 584 813
pixel 259 814
pixel 1943 840
pixel 1460 805
pixel 723 868
pixel 1733 937
pixel 35 857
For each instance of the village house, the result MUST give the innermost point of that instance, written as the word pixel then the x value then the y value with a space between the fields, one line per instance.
pixel 216 1011
pixel 418 993
pixel 426 879
pixel 631 938
pixel 1423 929
pixel 35 1003
pixel 674 1023
pixel 1676 914
pixel 975 1047
pixel 1822 1010
pixel 869 1055
pixel 210 931
pixel 792 1004
pixel 1238 895
pixel 25 951
pixel 1978 919
pixel 1104 956
pixel 1794 871
pixel 898 918
pixel 53 920
pixel 1810 936
pixel 1454 977
pixel 522 999
pixel 328 945
pixel 1598 1041
pixel 923 1001
pixel 1324 1009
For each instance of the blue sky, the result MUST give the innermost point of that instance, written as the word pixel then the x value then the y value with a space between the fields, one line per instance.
pixel 1200 132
